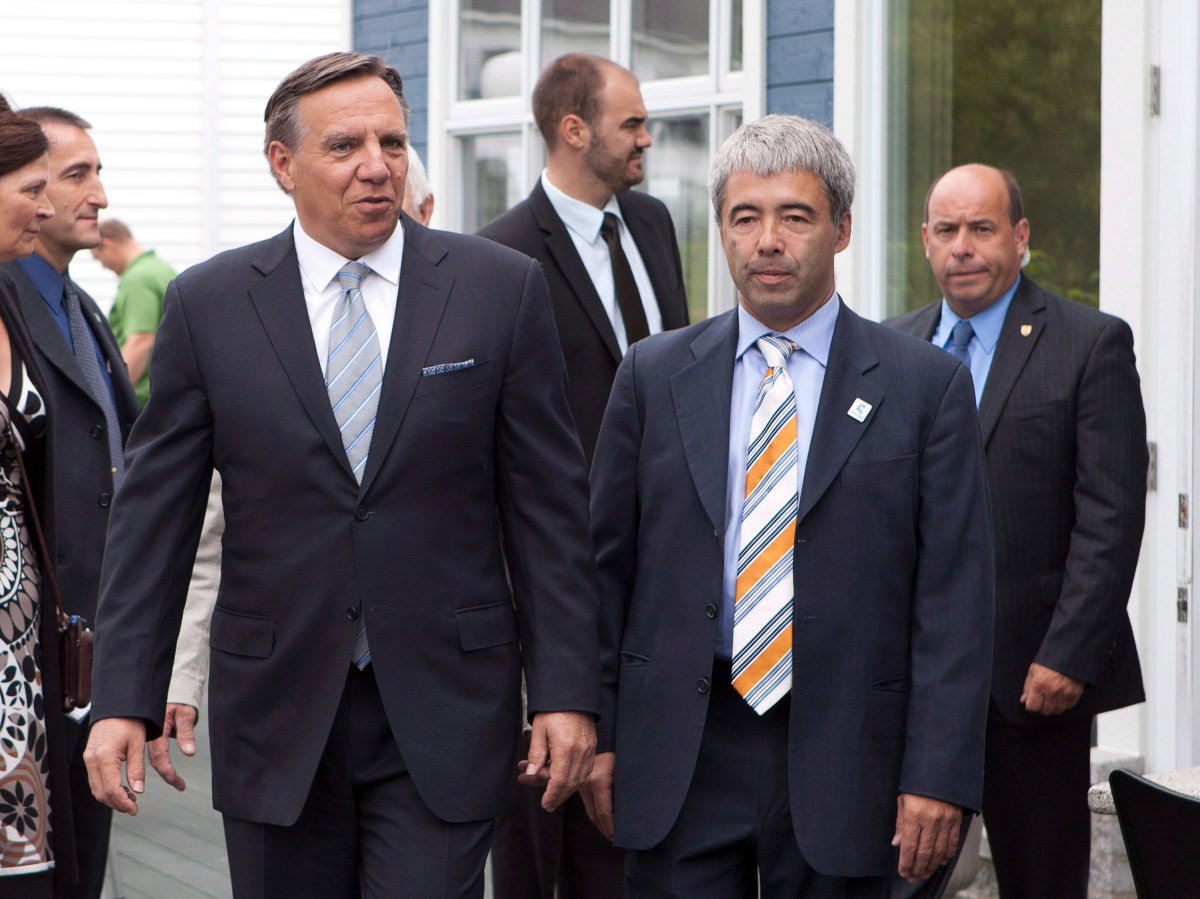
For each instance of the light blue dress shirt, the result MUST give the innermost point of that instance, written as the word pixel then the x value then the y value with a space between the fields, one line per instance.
pixel 806 367
pixel 982 348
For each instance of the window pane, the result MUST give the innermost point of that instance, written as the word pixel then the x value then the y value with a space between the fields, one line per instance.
pixel 735 37
pixel 676 173
pixel 574 26
pixel 669 39
pixel 489 48
pixel 492 177
pixel 1029 103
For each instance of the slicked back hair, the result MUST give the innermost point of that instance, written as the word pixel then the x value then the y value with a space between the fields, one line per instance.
pixel 571 85
pixel 54 115
pixel 1016 204
pixel 282 115
pixel 785 143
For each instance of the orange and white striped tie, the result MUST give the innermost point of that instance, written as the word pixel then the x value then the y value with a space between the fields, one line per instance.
pixel 762 608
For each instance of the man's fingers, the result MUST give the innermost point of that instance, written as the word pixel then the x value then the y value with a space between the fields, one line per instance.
pixel 160 761
pixel 185 728
pixel 111 742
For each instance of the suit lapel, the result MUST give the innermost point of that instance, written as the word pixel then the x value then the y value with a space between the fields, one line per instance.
pixel 836 432
pixel 279 301
pixel 924 323
pixel 656 255
pixel 1020 333
pixel 46 335
pixel 562 250
pixel 421 300
pixel 702 395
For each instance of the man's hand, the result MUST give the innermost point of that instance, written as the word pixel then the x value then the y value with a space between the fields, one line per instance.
pixel 597 792
pixel 566 741
pixel 927 834
pixel 1047 692
pixel 114 741
pixel 180 723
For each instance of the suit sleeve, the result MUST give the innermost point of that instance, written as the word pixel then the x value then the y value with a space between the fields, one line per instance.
pixel 542 487
pixel 953 608
pixel 153 533
pixel 614 480
pixel 1110 510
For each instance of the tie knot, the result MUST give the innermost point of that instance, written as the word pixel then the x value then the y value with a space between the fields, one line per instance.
pixel 961 334
pixel 611 227
pixel 776 349
pixel 351 275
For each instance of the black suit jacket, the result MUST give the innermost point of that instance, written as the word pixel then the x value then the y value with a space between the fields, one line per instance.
pixel 893 574
pixel 78 483
pixel 308 554
pixel 584 328
pixel 1065 436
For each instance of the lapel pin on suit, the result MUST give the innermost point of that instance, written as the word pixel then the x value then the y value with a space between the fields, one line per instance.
pixel 1026 330
pixel 859 409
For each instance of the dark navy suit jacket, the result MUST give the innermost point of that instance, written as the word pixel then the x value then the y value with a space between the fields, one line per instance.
pixel 458 458
pixel 892 621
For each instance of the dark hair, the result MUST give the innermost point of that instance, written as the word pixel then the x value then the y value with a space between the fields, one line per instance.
pixel 569 85
pixel 1016 205
pixel 281 116
pixel 22 140
pixel 115 229
pixel 53 115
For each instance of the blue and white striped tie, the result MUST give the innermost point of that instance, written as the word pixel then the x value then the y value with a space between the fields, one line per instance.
pixel 353 377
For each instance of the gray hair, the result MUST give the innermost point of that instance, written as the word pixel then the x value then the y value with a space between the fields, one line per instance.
pixel 418 181
pixel 282 114
pixel 785 143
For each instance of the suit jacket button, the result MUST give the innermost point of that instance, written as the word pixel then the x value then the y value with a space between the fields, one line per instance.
pixel 352 613
pixel 710 610
pixel 98 432
pixel 702 685
pixel 105 499
pixel 361 514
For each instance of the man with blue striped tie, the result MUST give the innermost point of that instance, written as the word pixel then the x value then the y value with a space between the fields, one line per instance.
pixel 790 513
pixel 405 526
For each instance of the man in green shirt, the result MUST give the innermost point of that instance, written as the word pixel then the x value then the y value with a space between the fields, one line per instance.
pixel 138 306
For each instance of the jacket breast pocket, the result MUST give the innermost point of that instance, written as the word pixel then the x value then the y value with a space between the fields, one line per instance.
pixel 241 634
pixel 480 627
pixel 454 381
pixel 884 471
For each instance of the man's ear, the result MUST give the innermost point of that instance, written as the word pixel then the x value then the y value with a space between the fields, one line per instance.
pixel 280 157
pixel 574 132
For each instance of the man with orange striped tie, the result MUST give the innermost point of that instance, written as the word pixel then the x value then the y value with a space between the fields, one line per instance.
pixel 791 520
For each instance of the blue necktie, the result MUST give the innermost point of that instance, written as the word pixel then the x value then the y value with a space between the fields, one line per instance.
pixel 960 338
pixel 353 377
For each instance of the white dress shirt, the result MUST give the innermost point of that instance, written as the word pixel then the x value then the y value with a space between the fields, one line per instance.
pixel 583 223
pixel 319 266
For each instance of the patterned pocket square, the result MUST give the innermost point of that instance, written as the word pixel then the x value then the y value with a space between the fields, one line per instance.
pixel 446 367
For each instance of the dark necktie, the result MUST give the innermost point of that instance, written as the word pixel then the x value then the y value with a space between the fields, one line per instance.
pixel 629 301
pixel 85 355
pixel 960 338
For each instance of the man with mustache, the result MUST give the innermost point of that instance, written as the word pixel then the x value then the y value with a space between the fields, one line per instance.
pixel 1065 437
pixel 611 261
pixel 92 406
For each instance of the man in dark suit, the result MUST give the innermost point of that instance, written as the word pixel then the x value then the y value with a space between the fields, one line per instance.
pixel 377 424
pixel 93 407
pixel 1065 437
pixel 791 521
pixel 592 117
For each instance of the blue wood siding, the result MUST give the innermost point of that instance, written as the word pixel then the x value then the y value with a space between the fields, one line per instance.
pixel 800 58
pixel 398 30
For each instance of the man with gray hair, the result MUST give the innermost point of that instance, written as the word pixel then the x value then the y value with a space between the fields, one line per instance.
pixel 798 703
pixel 418 195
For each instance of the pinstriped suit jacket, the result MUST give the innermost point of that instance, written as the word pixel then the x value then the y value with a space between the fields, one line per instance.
pixel 1065 438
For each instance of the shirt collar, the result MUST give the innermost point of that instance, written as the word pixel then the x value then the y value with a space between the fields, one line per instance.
pixel 320 265
pixel 986 323
pixel 46 278
pixel 814 335
pixel 582 218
